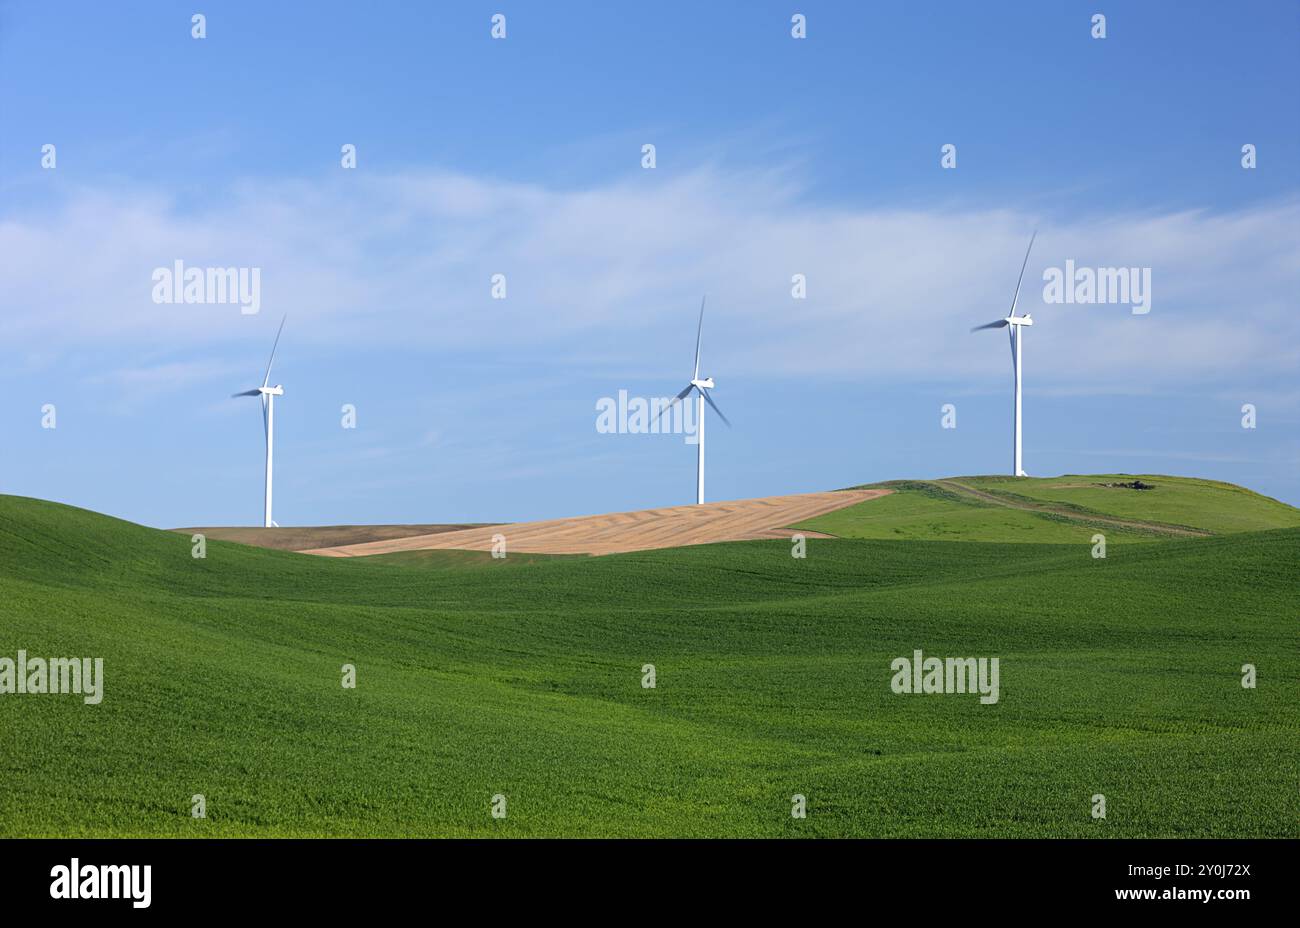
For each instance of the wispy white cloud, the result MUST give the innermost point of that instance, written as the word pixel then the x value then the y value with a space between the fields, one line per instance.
pixel 614 273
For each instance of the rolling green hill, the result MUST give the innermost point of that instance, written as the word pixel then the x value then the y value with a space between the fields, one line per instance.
pixel 1057 510
pixel 1207 505
pixel 1119 676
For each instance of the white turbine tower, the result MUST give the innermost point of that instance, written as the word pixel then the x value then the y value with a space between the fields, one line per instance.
pixel 701 387
pixel 268 395
pixel 1015 326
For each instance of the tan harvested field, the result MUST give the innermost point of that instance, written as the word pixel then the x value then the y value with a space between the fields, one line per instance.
pixel 615 533
pixel 320 536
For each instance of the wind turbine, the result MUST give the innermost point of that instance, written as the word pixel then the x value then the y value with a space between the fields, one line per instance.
pixel 268 395
pixel 1015 325
pixel 701 387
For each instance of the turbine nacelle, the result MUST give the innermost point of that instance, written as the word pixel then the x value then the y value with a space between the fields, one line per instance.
pixel 706 384
pixel 1006 321
pixel 277 390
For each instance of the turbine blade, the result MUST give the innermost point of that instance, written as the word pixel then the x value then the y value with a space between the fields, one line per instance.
pixel 674 402
pixel 1015 298
pixel 267 378
pixel 708 399
pixel 698 332
pixel 246 393
pixel 992 325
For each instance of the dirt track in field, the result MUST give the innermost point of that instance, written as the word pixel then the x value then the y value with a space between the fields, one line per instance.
pixel 1157 528
pixel 615 533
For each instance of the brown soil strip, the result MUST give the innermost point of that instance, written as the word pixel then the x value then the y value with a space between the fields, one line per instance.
pixel 614 533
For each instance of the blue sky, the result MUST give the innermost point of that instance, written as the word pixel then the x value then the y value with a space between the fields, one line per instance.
pixel 522 156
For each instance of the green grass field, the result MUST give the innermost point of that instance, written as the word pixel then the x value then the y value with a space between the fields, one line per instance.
pixel 1204 504
pixel 1119 676
pixel 928 512
pixel 1068 510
